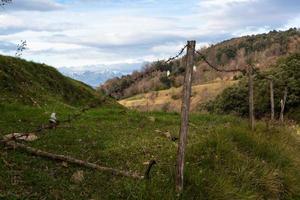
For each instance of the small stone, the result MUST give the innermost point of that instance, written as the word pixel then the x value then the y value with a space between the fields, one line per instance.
pixel 77 177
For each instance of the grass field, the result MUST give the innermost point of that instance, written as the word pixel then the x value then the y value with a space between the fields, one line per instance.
pixel 170 100
pixel 224 159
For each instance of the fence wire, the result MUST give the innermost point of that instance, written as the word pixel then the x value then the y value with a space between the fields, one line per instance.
pixel 203 57
pixel 177 56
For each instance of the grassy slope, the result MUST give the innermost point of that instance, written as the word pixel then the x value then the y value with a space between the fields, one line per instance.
pixel 38 84
pixel 170 99
pixel 224 159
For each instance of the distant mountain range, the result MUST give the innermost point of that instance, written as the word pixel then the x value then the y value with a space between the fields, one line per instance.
pixel 95 75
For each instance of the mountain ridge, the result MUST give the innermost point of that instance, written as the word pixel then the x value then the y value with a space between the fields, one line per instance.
pixel 95 75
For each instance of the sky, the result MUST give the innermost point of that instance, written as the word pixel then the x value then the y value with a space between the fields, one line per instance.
pixel 80 33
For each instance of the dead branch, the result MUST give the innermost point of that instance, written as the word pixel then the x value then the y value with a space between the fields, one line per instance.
pixel 151 164
pixel 71 160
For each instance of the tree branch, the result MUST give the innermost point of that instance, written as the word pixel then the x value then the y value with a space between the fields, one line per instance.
pixel 69 159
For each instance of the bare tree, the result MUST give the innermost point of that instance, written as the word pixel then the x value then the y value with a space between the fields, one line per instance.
pixel 20 48
pixel 5 2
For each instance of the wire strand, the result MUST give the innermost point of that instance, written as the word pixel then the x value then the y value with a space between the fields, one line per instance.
pixel 179 54
pixel 203 57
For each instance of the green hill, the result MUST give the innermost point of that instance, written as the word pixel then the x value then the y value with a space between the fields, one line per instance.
pixel 38 84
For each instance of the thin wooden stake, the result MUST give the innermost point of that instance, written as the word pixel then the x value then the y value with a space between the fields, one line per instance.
pixel 251 98
pixel 272 100
pixel 185 108
pixel 282 104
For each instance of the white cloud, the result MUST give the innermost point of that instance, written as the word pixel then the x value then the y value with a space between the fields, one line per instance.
pixel 92 32
pixel 35 5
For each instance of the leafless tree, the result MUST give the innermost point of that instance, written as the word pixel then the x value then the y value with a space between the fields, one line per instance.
pixel 5 2
pixel 20 48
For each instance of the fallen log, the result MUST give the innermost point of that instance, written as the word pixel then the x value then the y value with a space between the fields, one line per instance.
pixel 69 159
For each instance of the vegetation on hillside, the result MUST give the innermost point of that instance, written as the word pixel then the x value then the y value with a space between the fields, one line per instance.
pixel 38 84
pixel 286 73
pixel 264 48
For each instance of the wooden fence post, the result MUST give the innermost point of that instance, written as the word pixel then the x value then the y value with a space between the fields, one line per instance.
pixel 251 98
pixel 185 108
pixel 272 100
pixel 282 104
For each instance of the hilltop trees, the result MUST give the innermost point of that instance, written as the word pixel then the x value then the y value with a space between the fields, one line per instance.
pixel 232 53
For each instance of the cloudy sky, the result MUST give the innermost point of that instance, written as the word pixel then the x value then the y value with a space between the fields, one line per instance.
pixel 89 32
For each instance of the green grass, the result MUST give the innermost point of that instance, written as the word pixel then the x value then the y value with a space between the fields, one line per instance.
pixel 224 160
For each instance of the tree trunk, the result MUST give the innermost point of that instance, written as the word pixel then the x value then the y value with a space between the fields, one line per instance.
pixel 185 108
pixel 68 159
pixel 282 104
pixel 272 100
pixel 251 98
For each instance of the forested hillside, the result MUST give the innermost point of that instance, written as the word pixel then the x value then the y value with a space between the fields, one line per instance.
pixel 285 74
pixel 263 49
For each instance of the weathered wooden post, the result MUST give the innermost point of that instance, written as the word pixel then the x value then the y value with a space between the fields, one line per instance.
pixel 185 108
pixel 251 98
pixel 272 100
pixel 282 104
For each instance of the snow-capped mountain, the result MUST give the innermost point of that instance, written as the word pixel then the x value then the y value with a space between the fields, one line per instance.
pixel 95 75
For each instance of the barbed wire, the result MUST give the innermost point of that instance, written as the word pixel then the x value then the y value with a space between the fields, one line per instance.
pixel 203 57
pixel 177 56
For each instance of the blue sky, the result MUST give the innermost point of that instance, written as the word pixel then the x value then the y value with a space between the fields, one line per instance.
pixel 90 32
